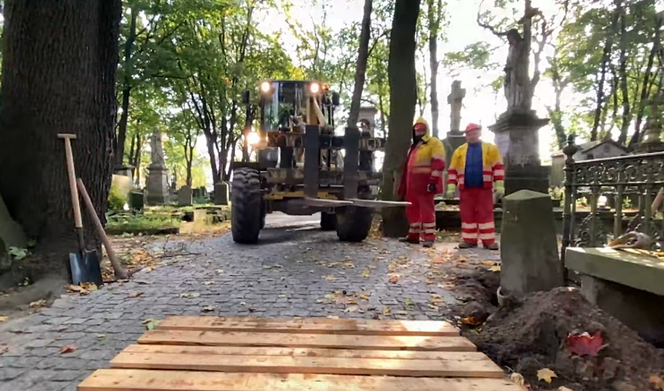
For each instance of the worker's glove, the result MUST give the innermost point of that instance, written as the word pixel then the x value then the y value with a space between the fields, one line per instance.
pixel 450 191
pixel 431 188
pixel 500 189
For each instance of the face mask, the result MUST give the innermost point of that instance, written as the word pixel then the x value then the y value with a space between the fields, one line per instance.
pixel 417 138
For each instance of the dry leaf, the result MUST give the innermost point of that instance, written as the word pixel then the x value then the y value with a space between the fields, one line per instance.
pixel 220 271
pixel 584 344
pixel 89 286
pixel 352 308
pixel 387 311
pixel 563 388
pixel 190 295
pixel 490 263
pixel 74 288
pixel 330 278
pixel 657 381
pixel 209 308
pixel 3 318
pixel 545 374
pixel 135 294
pixel 517 378
pixel 366 273
pixel 101 336
pixel 68 349
pixel 364 297
pixel 394 278
pixel 471 321
pixel 37 304
pixel 494 268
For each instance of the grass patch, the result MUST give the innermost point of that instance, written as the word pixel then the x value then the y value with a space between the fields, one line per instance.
pixel 144 223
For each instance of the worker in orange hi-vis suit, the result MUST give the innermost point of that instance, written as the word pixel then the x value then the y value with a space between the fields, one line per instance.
pixel 474 167
pixel 422 179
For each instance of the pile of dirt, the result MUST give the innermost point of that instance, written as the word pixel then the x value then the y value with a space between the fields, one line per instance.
pixel 532 334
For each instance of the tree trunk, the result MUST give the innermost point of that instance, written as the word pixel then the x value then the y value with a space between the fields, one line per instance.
pixel 435 16
pixel 361 70
pixel 59 71
pixel 119 142
pixel 403 97
pixel 626 117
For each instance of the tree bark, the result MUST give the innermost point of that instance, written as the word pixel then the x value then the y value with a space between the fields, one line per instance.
pixel 119 141
pixel 403 97
pixel 361 69
pixel 626 116
pixel 435 17
pixel 59 72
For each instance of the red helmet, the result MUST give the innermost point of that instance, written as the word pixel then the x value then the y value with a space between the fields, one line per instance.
pixel 471 126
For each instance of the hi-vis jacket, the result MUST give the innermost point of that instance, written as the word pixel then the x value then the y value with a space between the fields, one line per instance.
pixel 425 164
pixel 492 165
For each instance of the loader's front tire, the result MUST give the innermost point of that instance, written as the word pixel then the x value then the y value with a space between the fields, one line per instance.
pixel 246 208
pixel 328 221
pixel 354 223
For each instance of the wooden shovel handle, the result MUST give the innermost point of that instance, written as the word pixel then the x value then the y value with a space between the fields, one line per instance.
pixel 72 178
pixel 119 271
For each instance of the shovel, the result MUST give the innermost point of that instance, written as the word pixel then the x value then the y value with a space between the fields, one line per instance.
pixel 84 265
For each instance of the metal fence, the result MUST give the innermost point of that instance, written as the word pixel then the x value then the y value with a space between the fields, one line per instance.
pixel 609 186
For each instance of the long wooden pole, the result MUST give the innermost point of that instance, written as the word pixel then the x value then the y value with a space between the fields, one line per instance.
pixel 119 271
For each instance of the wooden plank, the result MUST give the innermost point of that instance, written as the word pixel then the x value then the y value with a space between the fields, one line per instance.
pixel 150 380
pixel 357 342
pixel 309 326
pixel 309 365
pixel 297 352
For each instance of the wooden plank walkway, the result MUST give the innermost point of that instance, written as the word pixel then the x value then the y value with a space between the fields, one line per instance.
pixel 186 353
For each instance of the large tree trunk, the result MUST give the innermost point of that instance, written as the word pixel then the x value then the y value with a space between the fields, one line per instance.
pixel 118 145
pixel 360 71
pixel 59 71
pixel 403 97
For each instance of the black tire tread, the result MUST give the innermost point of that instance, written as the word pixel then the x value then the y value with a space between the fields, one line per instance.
pixel 246 202
pixel 328 221
pixel 354 223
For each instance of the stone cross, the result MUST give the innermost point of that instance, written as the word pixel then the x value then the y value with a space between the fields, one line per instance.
pixel 653 127
pixel 157 150
pixel 455 99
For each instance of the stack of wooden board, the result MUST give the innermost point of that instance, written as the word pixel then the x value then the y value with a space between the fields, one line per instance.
pixel 302 354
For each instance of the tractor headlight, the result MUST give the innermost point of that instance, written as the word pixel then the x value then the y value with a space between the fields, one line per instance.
pixel 266 87
pixel 314 88
pixel 253 138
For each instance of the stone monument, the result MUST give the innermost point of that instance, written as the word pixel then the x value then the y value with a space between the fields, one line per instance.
pixel 367 116
pixel 157 181
pixel 455 137
pixel 651 141
pixel 516 131
pixel 185 196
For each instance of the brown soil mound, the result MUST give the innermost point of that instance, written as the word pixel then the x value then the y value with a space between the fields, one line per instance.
pixel 531 335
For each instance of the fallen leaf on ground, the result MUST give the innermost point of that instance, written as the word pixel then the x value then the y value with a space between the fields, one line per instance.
pixel 90 286
pixel 366 273
pixel 190 295
pixel 330 278
pixel 101 336
pixel 387 311
pixel 545 374
pixel 364 297
pixel 471 321
pixel 352 308
pixel 394 278
pixel 68 349
pixel 208 283
pixel 436 299
pixel 408 301
pixel 517 378
pixel 135 294
pixel 332 317
pixel 38 304
pixel 220 271
pixel 3 318
pixel 209 308
pixel 489 263
pixel 150 324
pixel 494 268
pixel 657 381
pixel 563 388
pixel 584 344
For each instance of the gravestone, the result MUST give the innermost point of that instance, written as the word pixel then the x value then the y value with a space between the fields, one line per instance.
pixel 10 231
pixel 185 196
pixel 136 200
pixel 455 137
pixel 157 181
pixel 529 249
pixel 197 193
pixel 652 141
pixel 221 194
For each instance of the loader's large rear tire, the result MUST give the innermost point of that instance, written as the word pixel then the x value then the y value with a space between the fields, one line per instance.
pixel 354 223
pixel 328 221
pixel 246 203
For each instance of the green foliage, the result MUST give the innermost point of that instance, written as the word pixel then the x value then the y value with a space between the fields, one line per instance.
pixel 141 223
pixel 116 198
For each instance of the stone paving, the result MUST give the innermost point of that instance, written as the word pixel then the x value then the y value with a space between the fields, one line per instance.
pixel 296 270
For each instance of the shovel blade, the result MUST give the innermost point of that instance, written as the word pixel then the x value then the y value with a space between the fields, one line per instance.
pixel 92 267
pixel 77 267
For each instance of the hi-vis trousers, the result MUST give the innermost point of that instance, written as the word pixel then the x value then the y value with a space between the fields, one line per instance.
pixel 476 206
pixel 421 216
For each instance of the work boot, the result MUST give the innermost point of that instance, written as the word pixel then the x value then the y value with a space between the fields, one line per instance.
pixel 409 240
pixel 493 246
pixel 464 245
pixel 428 243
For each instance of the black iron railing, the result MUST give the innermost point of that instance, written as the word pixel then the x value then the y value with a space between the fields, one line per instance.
pixel 610 185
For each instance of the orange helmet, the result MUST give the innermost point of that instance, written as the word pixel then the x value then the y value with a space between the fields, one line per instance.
pixel 471 126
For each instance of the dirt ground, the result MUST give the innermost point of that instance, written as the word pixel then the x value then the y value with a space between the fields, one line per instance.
pixel 530 337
